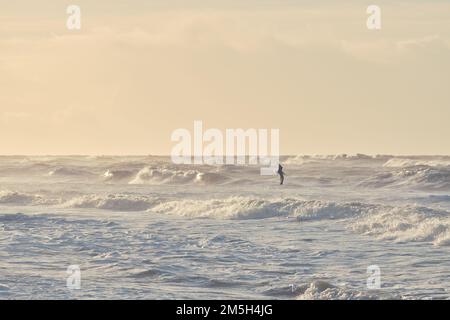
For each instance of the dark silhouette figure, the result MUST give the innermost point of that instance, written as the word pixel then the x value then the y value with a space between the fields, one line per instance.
pixel 281 173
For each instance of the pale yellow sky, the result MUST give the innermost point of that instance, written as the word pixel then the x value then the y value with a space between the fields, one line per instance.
pixel 137 70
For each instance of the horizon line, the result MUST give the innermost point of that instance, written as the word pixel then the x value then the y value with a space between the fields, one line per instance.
pixel 168 155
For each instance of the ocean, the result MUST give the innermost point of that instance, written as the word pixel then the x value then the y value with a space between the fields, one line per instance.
pixel 140 227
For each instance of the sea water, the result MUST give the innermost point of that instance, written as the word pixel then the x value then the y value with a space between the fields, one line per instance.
pixel 144 228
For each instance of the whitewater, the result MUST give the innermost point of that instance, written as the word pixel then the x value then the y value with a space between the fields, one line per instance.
pixel 141 227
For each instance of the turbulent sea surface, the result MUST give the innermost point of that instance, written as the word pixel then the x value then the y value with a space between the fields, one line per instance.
pixel 144 228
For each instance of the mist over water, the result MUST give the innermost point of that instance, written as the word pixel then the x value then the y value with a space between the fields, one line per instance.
pixel 142 227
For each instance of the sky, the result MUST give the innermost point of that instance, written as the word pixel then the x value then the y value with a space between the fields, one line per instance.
pixel 138 70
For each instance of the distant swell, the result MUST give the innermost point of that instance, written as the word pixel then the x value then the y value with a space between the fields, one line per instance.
pixel 305 159
pixel 407 162
pixel 433 178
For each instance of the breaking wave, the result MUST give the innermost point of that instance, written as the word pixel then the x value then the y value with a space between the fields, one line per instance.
pixel 18 198
pixel 67 171
pixel 112 202
pixel 117 175
pixel 322 290
pixel 241 208
pixel 150 175
pixel 319 290
pixel 406 224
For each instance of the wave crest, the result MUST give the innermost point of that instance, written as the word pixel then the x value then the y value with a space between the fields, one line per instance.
pixel 150 175
pixel 241 208
pixel 405 224
pixel 112 202
pixel 19 198
pixel 322 290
